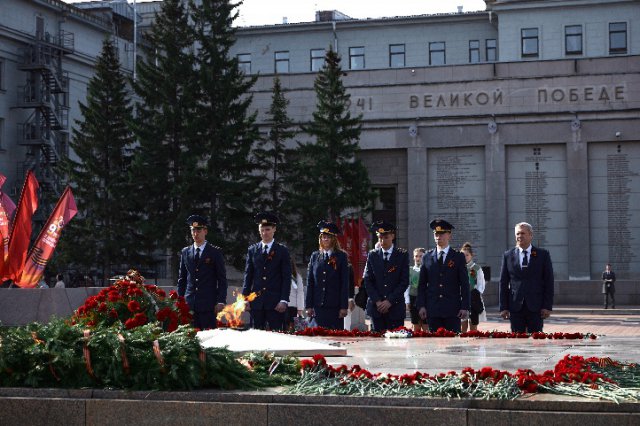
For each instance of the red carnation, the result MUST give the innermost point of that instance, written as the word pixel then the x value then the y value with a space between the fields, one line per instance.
pixel 133 306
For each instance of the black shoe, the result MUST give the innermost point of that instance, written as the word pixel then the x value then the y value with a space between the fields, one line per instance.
pixel 605 307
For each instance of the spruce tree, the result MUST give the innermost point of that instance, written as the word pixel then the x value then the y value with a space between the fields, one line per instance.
pixel 167 165
pixel 103 234
pixel 227 130
pixel 330 179
pixel 275 160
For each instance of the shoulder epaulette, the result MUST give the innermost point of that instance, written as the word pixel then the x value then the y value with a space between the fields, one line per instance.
pixel 401 250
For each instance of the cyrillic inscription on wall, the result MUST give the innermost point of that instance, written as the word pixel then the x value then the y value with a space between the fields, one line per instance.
pixel 537 194
pixel 457 194
pixel 614 187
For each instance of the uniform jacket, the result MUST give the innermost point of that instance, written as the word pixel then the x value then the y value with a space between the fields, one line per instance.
pixel 386 282
pixel 205 284
pixel 328 281
pixel 533 283
pixel 443 289
pixel 269 275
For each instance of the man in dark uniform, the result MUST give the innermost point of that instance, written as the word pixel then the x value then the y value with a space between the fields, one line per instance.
pixel 386 277
pixel 526 283
pixel 443 286
pixel 202 278
pixel 267 273
pixel 609 286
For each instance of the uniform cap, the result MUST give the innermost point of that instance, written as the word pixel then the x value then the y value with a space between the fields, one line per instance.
pixel 328 228
pixel 266 218
pixel 382 227
pixel 197 222
pixel 440 226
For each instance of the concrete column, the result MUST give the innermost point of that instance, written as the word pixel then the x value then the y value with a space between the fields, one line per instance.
pixel 417 201
pixel 497 236
pixel 578 243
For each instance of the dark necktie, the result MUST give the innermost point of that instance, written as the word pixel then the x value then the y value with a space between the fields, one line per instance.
pixel 196 259
pixel 441 258
pixel 325 256
pixel 386 256
pixel 265 251
pixel 525 261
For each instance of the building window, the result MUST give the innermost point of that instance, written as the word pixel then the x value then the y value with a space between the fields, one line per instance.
pixel 491 47
pixel 529 42
pixel 244 62
pixel 474 51
pixel 282 62
pixel 573 39
pixel 356 58
pixel 436 53
pixel 317 59
pixel 396 56
pixel 617 37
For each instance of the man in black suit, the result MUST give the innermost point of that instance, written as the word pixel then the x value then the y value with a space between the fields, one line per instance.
pixel 526 283
pixel 386 277
pixel 443 286
pixel 202 278
pixel 609 286
pixel 267 273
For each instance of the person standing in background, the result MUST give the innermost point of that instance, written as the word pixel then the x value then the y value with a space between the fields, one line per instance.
pixel 411 295
pixel 296 297
pixel 476 288
pixel 59 282
pixel 609 286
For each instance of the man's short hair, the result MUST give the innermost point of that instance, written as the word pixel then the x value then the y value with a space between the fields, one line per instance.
pixel 524 225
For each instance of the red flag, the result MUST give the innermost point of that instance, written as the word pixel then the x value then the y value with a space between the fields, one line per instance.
pixel 7 207
pixel 20 235
pixel 362 234
pixel 348 241
pixel 342 237
pixel 48 239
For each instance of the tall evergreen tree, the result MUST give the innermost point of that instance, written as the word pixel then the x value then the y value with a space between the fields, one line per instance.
pixel 227 130
pixel 103 235
pixel 330 179
pixel 275 159
pixel 167 165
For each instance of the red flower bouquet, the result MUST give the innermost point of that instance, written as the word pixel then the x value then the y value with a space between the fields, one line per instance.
pixel 132 303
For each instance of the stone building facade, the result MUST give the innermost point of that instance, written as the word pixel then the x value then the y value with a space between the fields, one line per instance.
pixel 528 111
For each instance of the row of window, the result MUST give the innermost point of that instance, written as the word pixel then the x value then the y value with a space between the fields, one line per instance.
pixel 397 56
pixel 530 48
pixel 573 43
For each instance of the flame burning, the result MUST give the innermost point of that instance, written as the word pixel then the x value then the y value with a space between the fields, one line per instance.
pixel 232 313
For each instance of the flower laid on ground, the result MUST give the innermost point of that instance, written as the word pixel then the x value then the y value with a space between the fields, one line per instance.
pixel 573 375
pixel 398 334
pixel 441 332
pixel 132 303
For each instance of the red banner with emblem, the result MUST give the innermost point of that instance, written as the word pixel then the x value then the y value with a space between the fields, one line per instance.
pixel 47 241
pixel 20 235
pixel 7 207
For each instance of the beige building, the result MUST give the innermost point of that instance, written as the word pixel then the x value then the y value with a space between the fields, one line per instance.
pixel 528 111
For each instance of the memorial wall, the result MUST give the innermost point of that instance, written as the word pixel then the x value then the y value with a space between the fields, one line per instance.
pixel 537 194
pixel 456 186
pixel 614 188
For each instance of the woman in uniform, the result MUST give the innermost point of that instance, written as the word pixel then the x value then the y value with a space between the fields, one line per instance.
pixel 327 297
